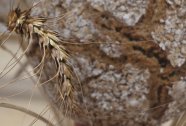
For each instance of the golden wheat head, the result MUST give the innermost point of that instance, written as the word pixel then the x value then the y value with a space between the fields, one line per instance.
pixel 50 44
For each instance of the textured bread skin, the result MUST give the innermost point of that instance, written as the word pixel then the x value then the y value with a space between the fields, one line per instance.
pixel 139 79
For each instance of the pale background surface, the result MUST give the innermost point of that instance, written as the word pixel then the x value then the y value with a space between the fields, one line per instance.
pixel 27 92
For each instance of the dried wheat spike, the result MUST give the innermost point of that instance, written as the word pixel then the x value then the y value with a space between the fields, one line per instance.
pixel 33 29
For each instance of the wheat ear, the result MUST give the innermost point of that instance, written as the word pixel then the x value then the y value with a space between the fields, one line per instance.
pixel 49 42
